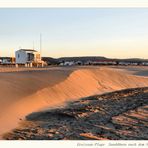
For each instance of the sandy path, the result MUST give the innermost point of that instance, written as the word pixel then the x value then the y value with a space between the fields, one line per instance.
pixel 135 70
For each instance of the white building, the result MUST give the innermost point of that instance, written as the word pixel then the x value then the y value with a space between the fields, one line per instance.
pixel 24 56
pixel 7 60
pixel 145 63
pixel 67 63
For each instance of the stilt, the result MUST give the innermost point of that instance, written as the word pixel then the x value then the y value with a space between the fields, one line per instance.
pixel 30 64
pixel 16 65
pixel 26 65
pixel 42 64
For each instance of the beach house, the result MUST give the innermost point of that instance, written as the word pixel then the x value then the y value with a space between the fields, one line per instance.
pixel 28 57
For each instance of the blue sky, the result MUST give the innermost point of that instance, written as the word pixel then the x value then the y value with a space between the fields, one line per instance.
pixel 110 32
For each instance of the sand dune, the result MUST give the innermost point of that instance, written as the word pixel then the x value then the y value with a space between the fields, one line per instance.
pixel 26 92
pixel 119 115
pixel 19 85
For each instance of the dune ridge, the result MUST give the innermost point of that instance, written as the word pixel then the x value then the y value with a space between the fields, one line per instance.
pixel 78 84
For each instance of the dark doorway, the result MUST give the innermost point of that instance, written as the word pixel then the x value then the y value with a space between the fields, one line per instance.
pixel 30 56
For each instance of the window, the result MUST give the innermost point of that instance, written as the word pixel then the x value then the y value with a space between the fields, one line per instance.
pixel 18 55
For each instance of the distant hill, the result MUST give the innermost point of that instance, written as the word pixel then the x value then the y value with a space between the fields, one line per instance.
pixel 51 60
pixel 55 61
pixel 134 60
pixel 83 59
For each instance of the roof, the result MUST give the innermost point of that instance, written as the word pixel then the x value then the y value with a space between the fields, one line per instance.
pixel 28 50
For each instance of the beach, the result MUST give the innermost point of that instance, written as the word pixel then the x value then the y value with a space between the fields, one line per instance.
pixel 120 115
pixel 36 90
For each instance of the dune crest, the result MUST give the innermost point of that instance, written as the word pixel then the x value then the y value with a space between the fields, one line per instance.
pixel 80 83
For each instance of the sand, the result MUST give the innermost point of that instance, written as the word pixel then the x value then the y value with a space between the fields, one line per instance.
pixel 119 115
pixel 25 92
pixel 134 70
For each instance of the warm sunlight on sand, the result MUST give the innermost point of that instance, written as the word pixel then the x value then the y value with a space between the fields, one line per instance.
pixel 26 92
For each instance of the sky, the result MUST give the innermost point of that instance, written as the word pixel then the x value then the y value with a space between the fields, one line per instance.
pixel 109 32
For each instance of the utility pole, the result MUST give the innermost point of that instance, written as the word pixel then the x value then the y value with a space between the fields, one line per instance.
pixel 41 44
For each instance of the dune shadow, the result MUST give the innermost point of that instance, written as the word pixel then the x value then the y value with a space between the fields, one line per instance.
pixel 102 117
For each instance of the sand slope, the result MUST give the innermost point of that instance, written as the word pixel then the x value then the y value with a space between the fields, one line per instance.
pixel 39 90
pixel 19 85
pixel 119 115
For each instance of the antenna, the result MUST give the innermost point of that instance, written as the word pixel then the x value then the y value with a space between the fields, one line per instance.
pixel 33 44
pixel 40 43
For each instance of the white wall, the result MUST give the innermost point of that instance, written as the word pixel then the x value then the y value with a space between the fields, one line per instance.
pixel 35 57
pixel 22 59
